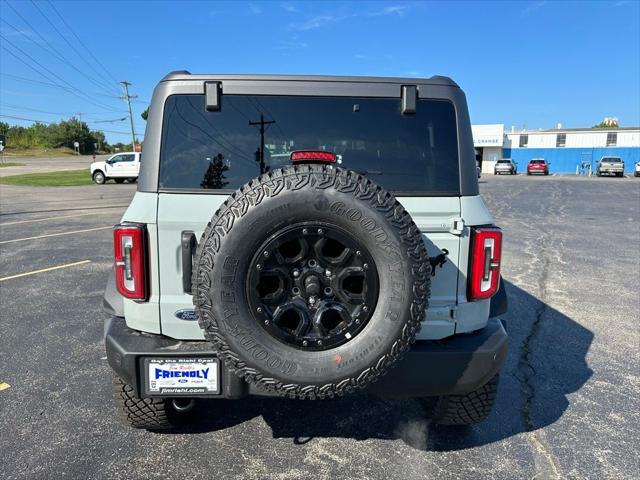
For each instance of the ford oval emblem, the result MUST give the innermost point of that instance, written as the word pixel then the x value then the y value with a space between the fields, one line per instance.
pixel 187 314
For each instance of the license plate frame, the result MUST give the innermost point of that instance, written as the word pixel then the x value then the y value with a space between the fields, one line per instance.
pixel 197 384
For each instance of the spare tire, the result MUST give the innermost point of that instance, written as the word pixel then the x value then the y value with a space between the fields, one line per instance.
pixel 311 281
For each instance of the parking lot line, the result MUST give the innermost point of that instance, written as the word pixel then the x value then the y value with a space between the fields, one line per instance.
pixel 55 234
pixel 42 270
pixel 50 218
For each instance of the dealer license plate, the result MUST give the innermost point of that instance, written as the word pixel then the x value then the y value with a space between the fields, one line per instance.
pixel 182 376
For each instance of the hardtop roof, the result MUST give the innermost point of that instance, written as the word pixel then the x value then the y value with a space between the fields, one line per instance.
pixel 185 75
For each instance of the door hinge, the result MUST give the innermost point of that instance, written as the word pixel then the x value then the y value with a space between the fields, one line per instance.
pixel 457 226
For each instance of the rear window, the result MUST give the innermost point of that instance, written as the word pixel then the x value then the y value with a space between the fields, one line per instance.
pixel 504 161
pixel 411 154
pixel 612 159
pixel 537 161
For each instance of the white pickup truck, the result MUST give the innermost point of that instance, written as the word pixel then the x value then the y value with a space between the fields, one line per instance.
pixel 120 167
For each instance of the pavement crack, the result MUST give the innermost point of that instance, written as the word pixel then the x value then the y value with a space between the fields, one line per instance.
pixel 525 368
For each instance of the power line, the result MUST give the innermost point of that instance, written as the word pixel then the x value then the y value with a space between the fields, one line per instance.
pixel 78 38
pixel 25 119
pixel 20 107
pixel 108 82
pixel 73 89
pixel 50 48
pixel 40 82
pixel 50 123
pixel 110 121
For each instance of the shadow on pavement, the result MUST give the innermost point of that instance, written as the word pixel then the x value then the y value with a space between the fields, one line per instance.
pixel 546 362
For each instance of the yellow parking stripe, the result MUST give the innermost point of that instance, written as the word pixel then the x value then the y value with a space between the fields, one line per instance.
pixel 51 218
pixel 55 234
pixel 42 270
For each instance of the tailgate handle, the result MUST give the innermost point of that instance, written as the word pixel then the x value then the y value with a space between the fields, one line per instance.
pixel 188 245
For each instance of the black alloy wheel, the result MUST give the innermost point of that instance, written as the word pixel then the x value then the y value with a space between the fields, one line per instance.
pixel 312 286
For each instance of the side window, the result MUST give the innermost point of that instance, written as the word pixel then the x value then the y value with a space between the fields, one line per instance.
pixel 116 159
pixel 612 139
pixel 561 140
pixel 128 158
pixel 524 140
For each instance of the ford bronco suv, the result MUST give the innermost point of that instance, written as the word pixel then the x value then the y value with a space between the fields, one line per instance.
pixel 305 237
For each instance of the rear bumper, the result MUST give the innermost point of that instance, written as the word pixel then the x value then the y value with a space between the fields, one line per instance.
pixel 455 365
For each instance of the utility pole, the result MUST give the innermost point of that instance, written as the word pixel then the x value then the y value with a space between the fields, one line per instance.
pixel 128 98
pixel 79 116
pixel 262 123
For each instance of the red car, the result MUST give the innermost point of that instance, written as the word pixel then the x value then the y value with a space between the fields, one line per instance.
pixel 538 165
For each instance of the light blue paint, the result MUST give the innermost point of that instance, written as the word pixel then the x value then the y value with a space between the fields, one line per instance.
pixel 565 160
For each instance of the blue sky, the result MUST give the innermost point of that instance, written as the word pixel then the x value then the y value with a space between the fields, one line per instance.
pixel 532 64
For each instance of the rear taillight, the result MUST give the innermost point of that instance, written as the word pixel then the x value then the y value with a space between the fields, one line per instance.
pixel 484 272
pixel 129 241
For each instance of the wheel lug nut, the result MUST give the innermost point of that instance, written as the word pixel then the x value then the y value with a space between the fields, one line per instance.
pixel 320 231
pixel 305 231
pixel 357 321
pixel 319 342
pixel 296 273
pixel 305 343
pixel 358 252
pixel 259 309
pixel 258 267
pixel 327 273
pixel 266 322
pixel 365 266
pixel 266 254
pixel 365 308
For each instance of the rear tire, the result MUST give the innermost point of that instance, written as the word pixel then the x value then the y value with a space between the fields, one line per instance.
pixel 469 409
pixel 149 413
pixel 119 180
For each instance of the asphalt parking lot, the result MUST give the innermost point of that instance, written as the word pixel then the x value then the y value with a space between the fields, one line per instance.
pixel 568 404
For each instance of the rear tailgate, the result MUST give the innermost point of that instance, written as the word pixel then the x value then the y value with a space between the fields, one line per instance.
pixel 177 213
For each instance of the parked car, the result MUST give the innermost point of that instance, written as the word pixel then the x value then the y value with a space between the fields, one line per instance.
pixel 636 170
pixel 119 167
pixel 310 281
pixel 610 166
pixel 538 166
pixel 505 165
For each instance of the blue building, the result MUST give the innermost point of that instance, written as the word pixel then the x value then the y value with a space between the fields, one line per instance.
pixel 564 148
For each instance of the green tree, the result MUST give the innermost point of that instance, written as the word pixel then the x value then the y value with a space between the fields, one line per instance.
pixel 145 114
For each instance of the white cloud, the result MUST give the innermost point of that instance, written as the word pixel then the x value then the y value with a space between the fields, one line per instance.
pixel 255 9
pixel 289 7
pixel 398 10
pixel 533 6
pixel 316 22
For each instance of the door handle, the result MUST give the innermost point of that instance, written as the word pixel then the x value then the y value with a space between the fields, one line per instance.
pixel 188 244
